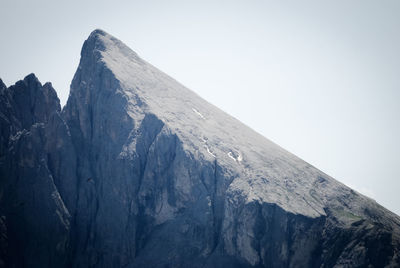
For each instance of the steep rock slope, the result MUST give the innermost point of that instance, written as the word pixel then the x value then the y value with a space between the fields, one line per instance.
pixel 141 171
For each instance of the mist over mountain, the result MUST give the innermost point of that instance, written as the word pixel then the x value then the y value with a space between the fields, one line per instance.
pixel 138 171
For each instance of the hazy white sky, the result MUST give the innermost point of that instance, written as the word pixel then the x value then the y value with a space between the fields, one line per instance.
pixel 320 78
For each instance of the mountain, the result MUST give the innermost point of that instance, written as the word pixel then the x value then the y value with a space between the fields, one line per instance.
pixel 138 171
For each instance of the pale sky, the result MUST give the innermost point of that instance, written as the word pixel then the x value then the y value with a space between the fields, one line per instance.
pixel 319 78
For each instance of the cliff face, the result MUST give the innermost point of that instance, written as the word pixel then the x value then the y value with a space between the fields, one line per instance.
pixel 139 171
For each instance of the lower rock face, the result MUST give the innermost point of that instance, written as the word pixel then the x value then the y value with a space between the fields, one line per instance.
pixel 111 181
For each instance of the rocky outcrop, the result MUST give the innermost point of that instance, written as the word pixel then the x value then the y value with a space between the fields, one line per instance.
pixel 35 223
pixel 138 171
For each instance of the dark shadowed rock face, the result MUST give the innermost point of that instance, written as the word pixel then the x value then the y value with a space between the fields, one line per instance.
pixel 35 223
pixel 138 171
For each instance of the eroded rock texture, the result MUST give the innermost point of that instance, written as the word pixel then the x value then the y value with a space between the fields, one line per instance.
pixel 138 171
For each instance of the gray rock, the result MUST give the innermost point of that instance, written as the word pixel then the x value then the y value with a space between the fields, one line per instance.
pixel 138 171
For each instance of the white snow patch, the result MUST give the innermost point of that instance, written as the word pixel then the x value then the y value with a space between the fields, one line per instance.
pixel 231 156
pixel 237 157
pixel 208 150
pixel 198 113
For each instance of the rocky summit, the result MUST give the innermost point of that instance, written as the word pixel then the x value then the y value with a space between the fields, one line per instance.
pixel 138 171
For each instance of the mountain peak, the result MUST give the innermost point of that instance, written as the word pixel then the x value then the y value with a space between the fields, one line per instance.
pixel 141 171
pixel 100 37
pixel 179 139
pixel 30 79
pixel 2 85
pixel 106 44
pixel 111 71
pixel 98 32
